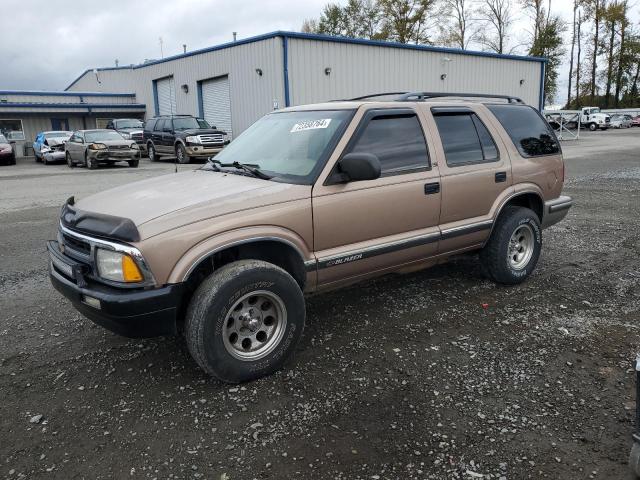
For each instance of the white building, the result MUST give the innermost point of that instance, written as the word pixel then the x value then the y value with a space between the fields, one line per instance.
pixel 234 84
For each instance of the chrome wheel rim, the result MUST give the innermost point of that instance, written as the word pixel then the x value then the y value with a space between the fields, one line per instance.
pixel 254 325
pixel 521 245
pixel 151 153
pixel 179 154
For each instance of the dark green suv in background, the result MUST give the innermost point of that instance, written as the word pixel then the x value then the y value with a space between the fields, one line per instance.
pixel 184 136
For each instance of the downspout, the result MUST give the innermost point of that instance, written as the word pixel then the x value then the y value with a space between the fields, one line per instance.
pixel 542 73
pixel 285 63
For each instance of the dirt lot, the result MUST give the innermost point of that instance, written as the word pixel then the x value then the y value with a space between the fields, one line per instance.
pixel 404 377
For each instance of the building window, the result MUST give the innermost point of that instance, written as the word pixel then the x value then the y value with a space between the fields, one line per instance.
pixel 12 129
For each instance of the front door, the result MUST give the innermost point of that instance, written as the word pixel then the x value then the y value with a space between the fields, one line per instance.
pixel 370 226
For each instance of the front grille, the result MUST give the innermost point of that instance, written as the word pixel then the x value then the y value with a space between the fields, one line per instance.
pixel 212 139
pixel 118 147
pixel 607 120
pixel 137 137
pixel 76 245
pixel 58 148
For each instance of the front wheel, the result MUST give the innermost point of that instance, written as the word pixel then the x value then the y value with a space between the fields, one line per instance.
pixel 593 127
pixel 245 320
pixel 181 154
pixel 70 162
pixel 512 252
pixel 90 163
pixel 151 153
pixel 134 163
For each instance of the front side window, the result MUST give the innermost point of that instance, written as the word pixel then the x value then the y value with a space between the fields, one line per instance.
pixel 291 146
pixel 397 141
pixel 465 139
pixel 531 135
pixel 160 124
pixel 3 139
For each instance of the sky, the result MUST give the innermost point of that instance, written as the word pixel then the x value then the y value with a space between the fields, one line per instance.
pixel 46 44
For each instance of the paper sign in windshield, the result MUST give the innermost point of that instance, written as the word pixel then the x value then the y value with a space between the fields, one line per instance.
pixel 311 125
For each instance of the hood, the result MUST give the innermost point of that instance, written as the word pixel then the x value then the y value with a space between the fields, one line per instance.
pixel 200 131
pixel 4 146
pixel 162 203
pixel 110 143
pixel 52 142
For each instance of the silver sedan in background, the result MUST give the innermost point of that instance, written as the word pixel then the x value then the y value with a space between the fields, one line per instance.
pixel 621 121
pixel 94 147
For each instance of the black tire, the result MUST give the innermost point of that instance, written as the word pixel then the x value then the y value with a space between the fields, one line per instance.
pixel 13 160
pixel 133 163
pixel 495 256
pixel 593 127
pixel 206 320
pixel 90 163
pixel 151 153
pixel 70 163
pixel 181 154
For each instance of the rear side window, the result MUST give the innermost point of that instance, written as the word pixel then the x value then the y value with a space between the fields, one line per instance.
pixel 465 139
pixel 531 135
pixel 150 124
pixel 159 125
pixel 397 141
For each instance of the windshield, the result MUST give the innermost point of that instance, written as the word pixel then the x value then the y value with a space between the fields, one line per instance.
pixel 3 139
pixel 57 134
pixel 290 145
pixel 102 136
pixel 131 123
pixel 187 123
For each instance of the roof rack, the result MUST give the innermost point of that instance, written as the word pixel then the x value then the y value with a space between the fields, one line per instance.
pixel 422 96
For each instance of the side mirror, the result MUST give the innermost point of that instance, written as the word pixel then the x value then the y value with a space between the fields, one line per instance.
pixel 359 166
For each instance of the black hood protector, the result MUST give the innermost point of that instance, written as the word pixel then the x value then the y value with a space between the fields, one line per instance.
pixel 106 226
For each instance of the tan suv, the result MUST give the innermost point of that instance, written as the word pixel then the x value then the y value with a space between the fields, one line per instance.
pixel 307 199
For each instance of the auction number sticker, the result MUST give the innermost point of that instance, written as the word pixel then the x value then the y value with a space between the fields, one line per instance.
pixel 311 125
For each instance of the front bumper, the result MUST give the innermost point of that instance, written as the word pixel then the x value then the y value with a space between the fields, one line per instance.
pixel 106 156
pixel 134 313
pixel 57 156
pixel 555 210
pixel 200 151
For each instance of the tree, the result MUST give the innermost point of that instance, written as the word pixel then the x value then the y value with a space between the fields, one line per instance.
pixel 331 21
pixel 309 25
pixel 594 10
pixel 357 19
pixel 573 45
pixel 406 21
pixel 459 30
pixel 497 16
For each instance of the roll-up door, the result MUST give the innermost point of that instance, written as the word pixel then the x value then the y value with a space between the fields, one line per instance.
pixel 165 89
pixel 216 104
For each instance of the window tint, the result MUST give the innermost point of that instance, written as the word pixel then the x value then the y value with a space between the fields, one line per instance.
pixel 150 124
pixel 531 135
pixel 159 125
pixel 397 141
pixel 465 139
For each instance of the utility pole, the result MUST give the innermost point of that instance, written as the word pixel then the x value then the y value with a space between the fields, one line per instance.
pixel 116 63
pixel 184 48
pixel 161 51
pixel 235 36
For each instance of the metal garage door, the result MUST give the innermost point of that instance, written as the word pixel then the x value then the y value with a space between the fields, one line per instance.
pixel 216 104
pixel 166 96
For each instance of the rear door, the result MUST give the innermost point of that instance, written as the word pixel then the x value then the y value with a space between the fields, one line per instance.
pixel 475 172
pixel 369 226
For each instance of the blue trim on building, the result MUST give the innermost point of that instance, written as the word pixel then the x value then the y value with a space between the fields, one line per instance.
pixel 317 37
pixel 40 93
pixel 156 105
pixel 285 68
pixel 134 106
pixel 543 66
pixel 200 99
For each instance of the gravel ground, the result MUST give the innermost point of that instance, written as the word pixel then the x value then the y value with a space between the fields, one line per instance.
pixel 403 377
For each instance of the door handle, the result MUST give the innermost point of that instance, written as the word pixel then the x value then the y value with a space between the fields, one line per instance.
pixel 501 177
pixel 431 188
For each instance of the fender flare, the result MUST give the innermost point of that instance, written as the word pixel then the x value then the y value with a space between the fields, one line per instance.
pixel 527 189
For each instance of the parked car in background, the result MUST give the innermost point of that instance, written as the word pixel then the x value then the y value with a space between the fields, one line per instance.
pixel 94 147
pixel 7 155
pixel 621 121
pixel 48 147
pixel 635 121
pixel 130 129
pixel 184 136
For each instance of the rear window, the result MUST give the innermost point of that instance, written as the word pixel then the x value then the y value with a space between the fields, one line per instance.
pixel 531 135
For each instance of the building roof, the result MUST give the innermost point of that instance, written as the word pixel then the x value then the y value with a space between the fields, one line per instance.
pixel 41 93
pixel 318 37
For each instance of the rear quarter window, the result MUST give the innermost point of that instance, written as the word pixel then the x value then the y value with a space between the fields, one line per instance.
pixel 531 135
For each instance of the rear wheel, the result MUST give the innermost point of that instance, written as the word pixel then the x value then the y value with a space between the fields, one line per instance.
pixel 245 320
pixel 512 252
pixel 181 154
pixel 70 162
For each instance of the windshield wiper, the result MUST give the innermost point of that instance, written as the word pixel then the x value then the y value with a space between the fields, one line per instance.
pixel 254 170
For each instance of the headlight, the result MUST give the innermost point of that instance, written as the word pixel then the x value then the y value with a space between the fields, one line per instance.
pixel 125 135
pixel 194 139
pixel 134 145
pixel 97 146
pixel 117 267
